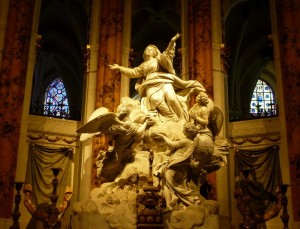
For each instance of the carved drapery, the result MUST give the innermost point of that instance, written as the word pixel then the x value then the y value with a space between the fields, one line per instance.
pixel 110 51
pixel 51 138
pixel 12 89
pixel 288 13
pixel 264 176
pixel 200 43
pixel 39 174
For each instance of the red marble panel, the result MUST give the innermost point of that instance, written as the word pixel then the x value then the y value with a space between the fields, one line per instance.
pixel 110 51
pixel 12 89
pixel 200 50
pixel 200 43
pixel 108 81
pixel 288 14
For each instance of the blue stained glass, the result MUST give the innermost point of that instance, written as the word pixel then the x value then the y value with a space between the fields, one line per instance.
pixel 262 98
pixel 259 98
pixel 56 100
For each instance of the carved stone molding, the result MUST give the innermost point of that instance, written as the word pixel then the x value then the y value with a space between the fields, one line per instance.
pixel 255 139
pixel 51 138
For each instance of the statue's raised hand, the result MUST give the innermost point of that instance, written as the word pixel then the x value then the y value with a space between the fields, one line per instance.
pixel 176 37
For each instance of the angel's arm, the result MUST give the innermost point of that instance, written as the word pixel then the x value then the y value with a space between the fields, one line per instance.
pixel 172 144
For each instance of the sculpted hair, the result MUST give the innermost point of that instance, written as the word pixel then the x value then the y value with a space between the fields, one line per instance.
pixel 157 52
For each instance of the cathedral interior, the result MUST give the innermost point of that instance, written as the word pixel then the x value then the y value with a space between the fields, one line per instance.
pixel 230 46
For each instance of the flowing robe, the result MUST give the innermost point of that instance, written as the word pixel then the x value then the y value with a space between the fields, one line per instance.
pixel 156 78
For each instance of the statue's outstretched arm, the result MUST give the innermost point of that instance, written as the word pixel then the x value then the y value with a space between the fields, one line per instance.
pixel 129 72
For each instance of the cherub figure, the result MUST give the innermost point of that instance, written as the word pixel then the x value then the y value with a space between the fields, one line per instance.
pixel 174 170
pixel 210 153
pixel 200 111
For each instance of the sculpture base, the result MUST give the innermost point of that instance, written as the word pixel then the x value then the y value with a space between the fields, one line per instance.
pixel 96 221
pixel 150 226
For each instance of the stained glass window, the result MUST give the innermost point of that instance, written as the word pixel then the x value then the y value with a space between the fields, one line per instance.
pixel 263 100
pixel 56 100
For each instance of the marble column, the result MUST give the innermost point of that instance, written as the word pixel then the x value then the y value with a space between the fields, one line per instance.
pixel 12 90
pixel 103 86
pixel 90 81
pixel 184 40
pixel 110 51
pixel 126 41
pixel 288 30
pixel 200 49
pixel 220 99
pixel 200 43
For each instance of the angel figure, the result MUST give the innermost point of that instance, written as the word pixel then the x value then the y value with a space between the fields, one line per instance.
pixel 174 169
pixel 210 153
pixel 126 132
pixel 162 92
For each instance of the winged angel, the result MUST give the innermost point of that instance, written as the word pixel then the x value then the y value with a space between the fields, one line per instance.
pixel 125 130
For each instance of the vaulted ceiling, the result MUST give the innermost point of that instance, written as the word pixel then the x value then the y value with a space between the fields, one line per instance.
pixel 247 35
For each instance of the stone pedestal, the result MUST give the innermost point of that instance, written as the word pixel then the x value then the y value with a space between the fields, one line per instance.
pixel 96 221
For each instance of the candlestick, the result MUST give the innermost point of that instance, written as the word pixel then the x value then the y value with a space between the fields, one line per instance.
pixel 16 213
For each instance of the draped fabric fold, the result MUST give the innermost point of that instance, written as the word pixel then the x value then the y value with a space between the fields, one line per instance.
pixel 39 174
pixel 264 176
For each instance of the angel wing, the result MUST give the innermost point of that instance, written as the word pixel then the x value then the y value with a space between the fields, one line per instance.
pixel 100 121
pixel 216 120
